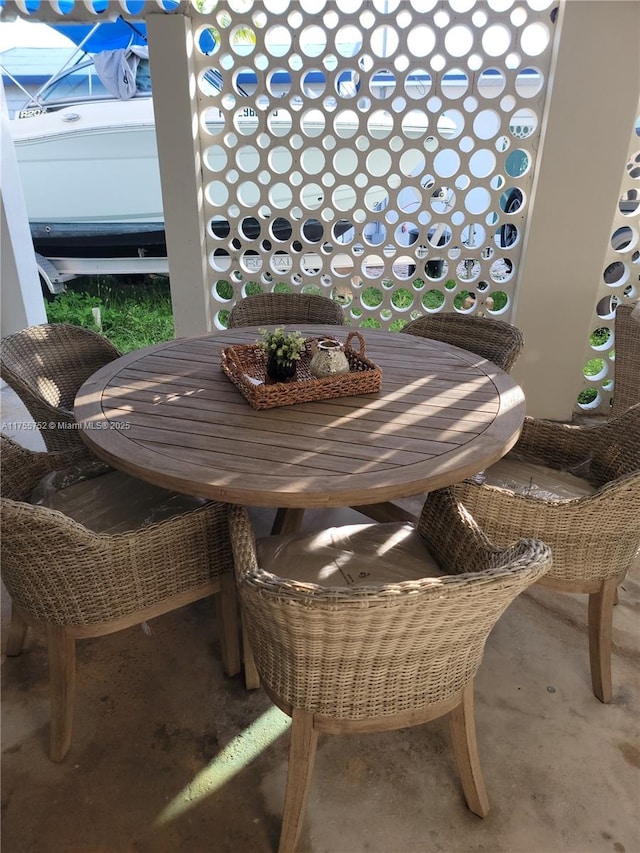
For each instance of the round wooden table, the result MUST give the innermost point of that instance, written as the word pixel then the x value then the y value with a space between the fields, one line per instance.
pixel 169 415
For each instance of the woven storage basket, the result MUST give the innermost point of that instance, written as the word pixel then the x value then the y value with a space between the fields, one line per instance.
pixel 246 366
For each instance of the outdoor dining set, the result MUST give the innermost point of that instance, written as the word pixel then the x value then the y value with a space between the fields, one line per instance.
pixel 141 504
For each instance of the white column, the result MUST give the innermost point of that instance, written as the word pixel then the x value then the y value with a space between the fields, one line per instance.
pixel 20 292
pixel 177 128
pixel 590 115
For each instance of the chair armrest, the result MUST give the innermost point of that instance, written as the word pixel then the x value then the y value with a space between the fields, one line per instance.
pixel 243 541
pixel 76 577
pixel 82 467
pixel 452 535
pixel 30 466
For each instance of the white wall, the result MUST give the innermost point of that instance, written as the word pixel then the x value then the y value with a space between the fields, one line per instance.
pixel 590 115
pixel 21 301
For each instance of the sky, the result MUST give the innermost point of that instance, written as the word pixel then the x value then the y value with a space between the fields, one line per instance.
pixel 21 33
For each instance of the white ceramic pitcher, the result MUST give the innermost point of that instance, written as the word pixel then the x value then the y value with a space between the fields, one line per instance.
pixel 329 359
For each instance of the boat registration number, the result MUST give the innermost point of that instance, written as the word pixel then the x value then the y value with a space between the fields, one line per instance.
pixel 32 111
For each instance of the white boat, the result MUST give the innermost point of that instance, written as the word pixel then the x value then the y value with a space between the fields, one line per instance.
pixel 88 162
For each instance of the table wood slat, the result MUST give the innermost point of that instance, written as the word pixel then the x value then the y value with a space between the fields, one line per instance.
pixel 305 439
pixel 414 425
pixel 255 459
pixel 344 409
pixel 441 415
pixel 208 411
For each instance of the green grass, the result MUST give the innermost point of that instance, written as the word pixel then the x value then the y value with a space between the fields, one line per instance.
pixel 593 366
pixel 398 325
pixel 371 323
pixel 500 300
pixel 587 396
pixel 433 299
pixel 372 297
pixel 134 314
pixel 402 298
pixel 459 299
pixel 224 289
pixel 312 290
pixel 600 337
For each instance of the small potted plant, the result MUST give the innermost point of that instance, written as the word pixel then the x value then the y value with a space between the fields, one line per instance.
pixel 283 350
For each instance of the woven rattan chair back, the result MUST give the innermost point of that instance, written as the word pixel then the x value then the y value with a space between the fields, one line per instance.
pixel 347 659
pixel 267 309
pixel 626 391
pixel 76 583
pixel 46 365
pixel 595 538
pixel 494 340
pixel 614 447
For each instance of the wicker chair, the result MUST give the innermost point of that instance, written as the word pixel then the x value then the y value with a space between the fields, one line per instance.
pixel 626 391
pixel 591 520
pixel 269 308
pixel 77 582
pixel 395 648
pixel 494 340
pixel 46 365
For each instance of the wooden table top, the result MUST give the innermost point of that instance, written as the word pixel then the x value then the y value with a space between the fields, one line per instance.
pixel 169 415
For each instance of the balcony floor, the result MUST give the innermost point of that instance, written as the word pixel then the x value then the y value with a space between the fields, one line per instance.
pixel 170 755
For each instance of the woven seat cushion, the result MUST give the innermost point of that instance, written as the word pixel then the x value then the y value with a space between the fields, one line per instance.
pixel 110 503
pixel 354 555
pixel 536 481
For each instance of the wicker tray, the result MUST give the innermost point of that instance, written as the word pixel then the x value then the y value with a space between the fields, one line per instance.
pixel 246 365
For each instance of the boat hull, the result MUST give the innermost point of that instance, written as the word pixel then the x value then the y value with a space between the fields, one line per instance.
pixel 90 174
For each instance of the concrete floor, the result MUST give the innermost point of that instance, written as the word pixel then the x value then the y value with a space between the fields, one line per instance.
pixel 169 755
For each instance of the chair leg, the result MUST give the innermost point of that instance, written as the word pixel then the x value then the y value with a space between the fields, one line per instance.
pixel 61 649
pixel 227 612
pixel 17 633
pixel 251 674
pixel 302 753
pixel 465 747
pixel 600 625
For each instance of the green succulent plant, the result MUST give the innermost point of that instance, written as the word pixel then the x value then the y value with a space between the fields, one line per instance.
pixel 284 346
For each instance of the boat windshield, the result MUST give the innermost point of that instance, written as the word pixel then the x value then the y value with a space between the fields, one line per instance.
pixel 109 60
pixel 82 82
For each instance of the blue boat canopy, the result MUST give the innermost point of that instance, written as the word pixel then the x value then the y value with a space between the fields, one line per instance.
pixel 108 36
